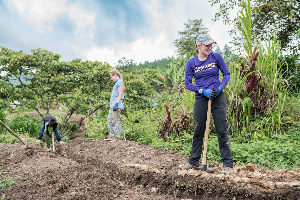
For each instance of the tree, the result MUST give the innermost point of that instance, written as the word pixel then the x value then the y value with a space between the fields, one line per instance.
pixel 4 97
pixel 268 17
pixel 280 16
pixel 186 44
pixel 226 52
pixel 79 85
pixel 228 55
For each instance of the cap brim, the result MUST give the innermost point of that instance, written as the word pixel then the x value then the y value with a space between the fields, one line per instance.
pixel 208 42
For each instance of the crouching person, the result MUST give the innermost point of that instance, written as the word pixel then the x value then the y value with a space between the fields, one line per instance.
pixel 49 121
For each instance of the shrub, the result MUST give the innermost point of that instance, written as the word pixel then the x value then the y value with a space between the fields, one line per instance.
pixel 25 124
pixel 2 118
pixel 96 128
pixel 177 125
pixel 290 70
pixel 137 93
pixel 150 75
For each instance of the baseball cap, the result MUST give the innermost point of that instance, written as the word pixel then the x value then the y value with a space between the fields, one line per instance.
pixel 204 39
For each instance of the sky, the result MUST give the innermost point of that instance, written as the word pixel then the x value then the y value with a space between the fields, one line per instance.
pixel 104 30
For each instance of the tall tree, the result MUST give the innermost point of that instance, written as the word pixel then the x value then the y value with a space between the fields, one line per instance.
pixel 268 17
pixel 228 55
pixel 186 43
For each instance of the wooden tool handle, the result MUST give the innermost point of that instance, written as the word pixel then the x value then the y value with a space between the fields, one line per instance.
pixel 53 141
pixel 12 132
pixel 206 132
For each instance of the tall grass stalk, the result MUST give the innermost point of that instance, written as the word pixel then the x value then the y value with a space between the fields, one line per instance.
pixel 238 108
pixel 244 25
pixel 267 62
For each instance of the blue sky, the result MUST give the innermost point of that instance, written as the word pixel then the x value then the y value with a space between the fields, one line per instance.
pixel 103 30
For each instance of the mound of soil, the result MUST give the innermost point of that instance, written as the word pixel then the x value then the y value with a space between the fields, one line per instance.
pixel 99 169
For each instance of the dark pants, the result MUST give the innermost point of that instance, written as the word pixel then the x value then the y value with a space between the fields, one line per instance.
pixel 219 112
pixel 55 130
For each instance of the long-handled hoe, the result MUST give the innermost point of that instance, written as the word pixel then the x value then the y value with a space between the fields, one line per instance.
pixel 24 143
pixel 53 147
pixel 204 165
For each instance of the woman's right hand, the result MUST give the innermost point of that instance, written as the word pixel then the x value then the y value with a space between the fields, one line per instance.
pixel 211 94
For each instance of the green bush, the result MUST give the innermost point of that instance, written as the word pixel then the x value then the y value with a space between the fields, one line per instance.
pixel 290 70
pixel 149 75
pixel 96 128
pixel 25 124
pixel 2 118
pixel 137 92
pixel 140 126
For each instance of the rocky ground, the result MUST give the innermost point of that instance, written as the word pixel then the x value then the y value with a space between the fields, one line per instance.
pixel 99 169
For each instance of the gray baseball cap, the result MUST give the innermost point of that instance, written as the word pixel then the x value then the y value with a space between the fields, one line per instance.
pixel 204 39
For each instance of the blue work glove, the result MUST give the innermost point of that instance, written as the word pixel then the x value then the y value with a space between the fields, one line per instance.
pixel 115 107
pixel 211 94
pixel 219 91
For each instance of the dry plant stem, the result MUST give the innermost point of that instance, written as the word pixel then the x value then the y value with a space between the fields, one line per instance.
pixel 12 132
pixel 206 132
pixel 53 142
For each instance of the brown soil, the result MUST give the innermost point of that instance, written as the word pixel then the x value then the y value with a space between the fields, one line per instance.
pixel 99 169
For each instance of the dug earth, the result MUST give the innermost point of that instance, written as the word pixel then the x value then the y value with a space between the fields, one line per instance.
pixel 99 169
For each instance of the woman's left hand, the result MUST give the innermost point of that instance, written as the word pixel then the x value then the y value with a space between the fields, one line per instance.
pixel 219 91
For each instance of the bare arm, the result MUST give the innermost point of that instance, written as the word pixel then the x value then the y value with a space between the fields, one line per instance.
pixel 120 91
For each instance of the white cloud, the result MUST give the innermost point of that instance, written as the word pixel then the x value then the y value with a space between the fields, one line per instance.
pixel 153 42
pixel 101 55
pixel 84 20
pixel 141 50
pixel 42 14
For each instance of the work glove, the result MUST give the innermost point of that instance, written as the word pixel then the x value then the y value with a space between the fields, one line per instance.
pixel 219 91
pixel 115 107
pixel 211 94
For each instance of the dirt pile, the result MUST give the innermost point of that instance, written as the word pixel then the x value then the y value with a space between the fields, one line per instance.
pixel 98 169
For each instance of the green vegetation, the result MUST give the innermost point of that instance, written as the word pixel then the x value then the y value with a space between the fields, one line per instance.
pixel 268 18
pixel 130 66
pixel 186 43
pixel 5 181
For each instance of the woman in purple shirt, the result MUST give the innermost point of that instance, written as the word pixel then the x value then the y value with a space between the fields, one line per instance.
pixel 204 68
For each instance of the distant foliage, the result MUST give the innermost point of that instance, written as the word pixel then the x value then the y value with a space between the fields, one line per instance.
pixel 130 66
pixel 228 55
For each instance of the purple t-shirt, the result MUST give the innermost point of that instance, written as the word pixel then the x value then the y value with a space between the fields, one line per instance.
pixel 206 73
